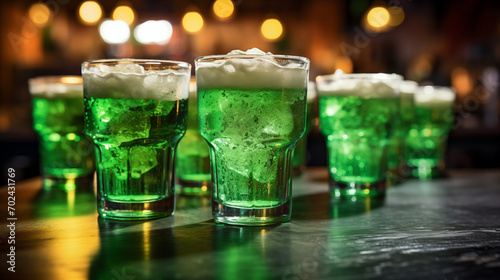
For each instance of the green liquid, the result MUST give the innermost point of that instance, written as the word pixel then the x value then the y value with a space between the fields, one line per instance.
pixel 426 142
pixel 65 150
pixel 135 142
pixel 397 144
pixel 193 160
pixel 251 134
pixel 357 132
pixel 300 152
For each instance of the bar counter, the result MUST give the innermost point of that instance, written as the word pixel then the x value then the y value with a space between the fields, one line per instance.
pixel 442 229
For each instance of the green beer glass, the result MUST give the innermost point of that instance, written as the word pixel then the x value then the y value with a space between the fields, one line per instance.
pixel 427 139
pixel 135 113
pixel 65 152
pixel 396 160
pixel 357 115
pixel 300 151
pixel 193 159
pixel 252 112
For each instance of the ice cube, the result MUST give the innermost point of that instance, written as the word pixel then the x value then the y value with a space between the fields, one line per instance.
pixel 277 122
pixel 265 164
pixel 141 159
pixel 128 123
pixel 113 160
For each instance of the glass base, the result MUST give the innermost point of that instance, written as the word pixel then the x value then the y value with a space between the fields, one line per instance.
pixel 341 189
pixel 251 216
pixel 195 188
pixel 137 210
pixel 427 173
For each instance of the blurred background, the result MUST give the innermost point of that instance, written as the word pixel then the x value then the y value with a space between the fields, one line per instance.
pixel 451 43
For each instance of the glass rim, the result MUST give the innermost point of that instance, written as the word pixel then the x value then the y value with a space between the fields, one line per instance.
pixel 422 89
pixel 211 58
pixel 57 79
pixel 56 86
pixel 360 76
pixel 115 61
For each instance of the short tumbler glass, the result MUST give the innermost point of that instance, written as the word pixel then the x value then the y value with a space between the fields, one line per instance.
pixel 252 112
pixel 193 159
pixel 428 136
pixel 358 114
pixel 396 161
pixel 66 154
pixel 135 113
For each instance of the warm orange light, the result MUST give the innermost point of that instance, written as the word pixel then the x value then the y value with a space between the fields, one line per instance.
pixel 124 13
pixel 223 8
pixel 461 81
pixel 271 29
pixel 39 14
pixel 344 63
pixel 420 68
pixel 90 12
pixel 192 22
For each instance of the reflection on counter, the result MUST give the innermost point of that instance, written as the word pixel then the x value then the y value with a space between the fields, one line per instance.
pixel 123 243
pixel 352 206
pixel 79 200
pixel 191 202
pixel 239 247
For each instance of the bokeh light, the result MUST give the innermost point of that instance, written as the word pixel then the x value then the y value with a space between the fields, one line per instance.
pixel 192 22
pixel 114 31
pixel 420 68
pixel 344 63
pixel 271 29
pixel 397 15
pixel 90 12
pixel 153 32
pixel 223 9
pixel 39 14
pixel 378 17
pixel 124 13
pixel 461 81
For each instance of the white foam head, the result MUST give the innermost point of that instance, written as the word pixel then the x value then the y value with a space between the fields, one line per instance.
pixel 434 96
pixel 377 85
pixel 136 79
pixel 56 86
pixel 252 69
pixel 408 87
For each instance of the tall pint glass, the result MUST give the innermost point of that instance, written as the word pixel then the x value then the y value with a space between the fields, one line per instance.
pixel 135 113
pixel 252 111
